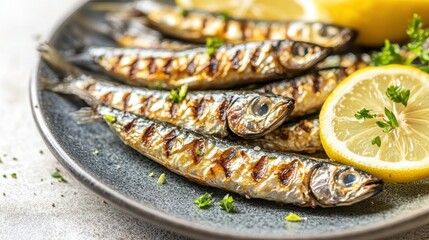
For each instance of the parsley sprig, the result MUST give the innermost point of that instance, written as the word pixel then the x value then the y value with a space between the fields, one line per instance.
pixel 416 50
pixel 204 201
pixel 212 44
pixel 177 95
pixel 364 114
pixel 390 123
pixel 398 94
pixel 227 204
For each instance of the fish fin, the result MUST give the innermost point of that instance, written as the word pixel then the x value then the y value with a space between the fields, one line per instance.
pixel 54 59
pixel 51 85
pixel 86 115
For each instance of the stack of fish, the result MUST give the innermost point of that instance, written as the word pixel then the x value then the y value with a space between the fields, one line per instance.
pixel 244 139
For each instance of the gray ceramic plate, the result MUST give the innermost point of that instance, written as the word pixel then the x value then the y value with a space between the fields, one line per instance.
pixel 120 175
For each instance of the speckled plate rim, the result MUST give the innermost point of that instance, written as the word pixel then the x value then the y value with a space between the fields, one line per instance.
pixel 409 220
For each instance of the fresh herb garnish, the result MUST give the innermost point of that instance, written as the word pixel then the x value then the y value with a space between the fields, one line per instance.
pixel 204 201
pixel 364 114
pixel 227 204
pixel 184 12
pixel 4 176
pixel 376 141
pixel 398 94
pixel 177 95
pixel 161 179
pixel 415 49
pixel 15 159
pixel 58 176
pixel 212 44
pixel 389 124
pixel 41 151
pixel 292 217
pixel 272 157
pixel 110 118
pixel 151 174
pixel 199 153
pixel 225 16
pixel 96 152
pixel 13 175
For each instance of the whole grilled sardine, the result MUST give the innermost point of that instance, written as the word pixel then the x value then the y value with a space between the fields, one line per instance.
pixel 245 113
pixel 230 65
pixel 197 26
pixel 281 177
pixel 309 91
pixel 298 136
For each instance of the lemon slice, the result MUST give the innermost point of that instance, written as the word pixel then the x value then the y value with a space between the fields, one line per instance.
pixel 255 9
pixel 403 154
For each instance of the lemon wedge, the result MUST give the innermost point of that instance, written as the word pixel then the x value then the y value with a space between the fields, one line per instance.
pixel 403 154
pixel 375 20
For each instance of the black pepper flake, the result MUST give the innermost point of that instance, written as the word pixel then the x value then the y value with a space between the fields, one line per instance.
pixel 15 159
pixel 53 204
pixel 41 151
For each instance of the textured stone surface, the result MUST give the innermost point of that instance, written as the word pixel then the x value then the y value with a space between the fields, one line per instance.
pixel 35 205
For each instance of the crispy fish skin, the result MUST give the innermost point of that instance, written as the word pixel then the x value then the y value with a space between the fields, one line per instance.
pixel 281 177
pixel 229 66
pixel 216 113
pixel 196 26
pixel 298 136
pixel 351 61
pixel 309 91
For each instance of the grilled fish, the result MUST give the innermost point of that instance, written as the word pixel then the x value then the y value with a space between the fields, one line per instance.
pixel 281 177
pixel 309 91
pixel 245 113
pixel 298 136
pixel 196 26
pixel 229 66
pixel 351 61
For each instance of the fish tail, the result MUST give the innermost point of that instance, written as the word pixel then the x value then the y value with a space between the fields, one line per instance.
pixel 86 115
pixel 57 62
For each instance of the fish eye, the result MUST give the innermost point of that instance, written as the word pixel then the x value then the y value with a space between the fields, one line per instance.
pixel 301 50
pixel 349 179
pixel 261 106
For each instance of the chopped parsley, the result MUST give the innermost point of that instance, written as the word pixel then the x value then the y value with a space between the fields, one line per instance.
pixel 96 152
pixel 110 118
pixel 227 204
pixel 151 174
pixel 199 153
pixel 184 12
pixel 58 176
pixel 376 141
pixel 272 157
pixel 364 114
pixel 4 176
pixel 15 159
pixel 161 179
pixel 398 94
pixel 416 50
pixel 13 175
pixel 225 16
pixel 212 44
pixel 389 124
pixel 292 217
pixel 177 95
pixel 41 151
pixel 204 201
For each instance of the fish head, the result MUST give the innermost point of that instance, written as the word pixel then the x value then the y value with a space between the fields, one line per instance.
pixel 333 36
pixel 299 56
pixel 253 115
pixel 339 185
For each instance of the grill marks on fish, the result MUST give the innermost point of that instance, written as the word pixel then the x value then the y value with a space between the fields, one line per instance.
pixel 288 171
pixel 229 65
pixel 195 147
pixel 129 126
pixel 148 134
pixel 198 107
pixel 222 110
pixel 169 141
pixel 260 168
pixel 224 159
pixel 125 99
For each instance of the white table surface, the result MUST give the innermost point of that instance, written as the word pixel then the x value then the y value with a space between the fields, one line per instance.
pixel 36 206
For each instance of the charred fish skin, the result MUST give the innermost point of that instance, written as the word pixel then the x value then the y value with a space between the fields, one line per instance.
pixel 245 113
pixel 196 26
pixel 301 136
pixel 309 91
pixel 281 177
pixel 230 65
